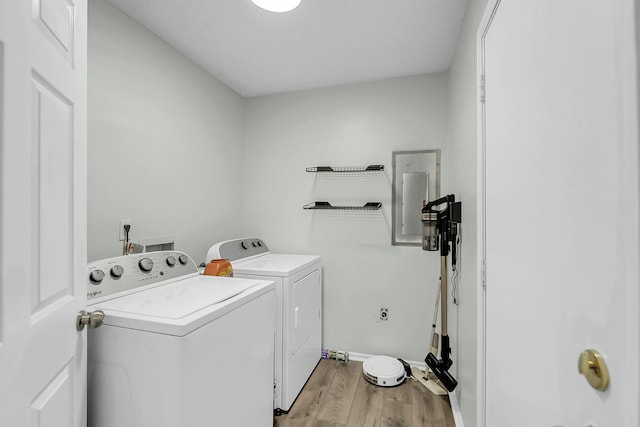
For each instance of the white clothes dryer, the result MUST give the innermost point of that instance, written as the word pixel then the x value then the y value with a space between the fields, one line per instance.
pixel 298 284
pixel 178 348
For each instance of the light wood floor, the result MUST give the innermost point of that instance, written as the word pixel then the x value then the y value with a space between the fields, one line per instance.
pixel 337 395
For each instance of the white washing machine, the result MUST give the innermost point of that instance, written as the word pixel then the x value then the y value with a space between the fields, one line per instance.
pixel 178 348
pixel 298 283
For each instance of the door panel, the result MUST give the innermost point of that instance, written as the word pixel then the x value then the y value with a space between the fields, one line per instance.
pixel 53 196
pixel 55 18
pixel 561 212
pixel 53 406
pixel 42 212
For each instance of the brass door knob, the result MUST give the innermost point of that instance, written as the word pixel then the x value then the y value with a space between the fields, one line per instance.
pixel 591 364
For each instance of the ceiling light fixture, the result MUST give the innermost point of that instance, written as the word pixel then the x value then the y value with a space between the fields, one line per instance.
pixel 277 5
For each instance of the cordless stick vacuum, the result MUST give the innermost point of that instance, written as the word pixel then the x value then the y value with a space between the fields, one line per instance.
pixel 440 228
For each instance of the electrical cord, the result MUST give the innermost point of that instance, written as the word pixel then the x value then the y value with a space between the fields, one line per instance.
pixel 456 276
pixel 125 248
pixel 454 286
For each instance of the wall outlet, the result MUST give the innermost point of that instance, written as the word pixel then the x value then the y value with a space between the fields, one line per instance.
pixel 384 313
pixel 121 225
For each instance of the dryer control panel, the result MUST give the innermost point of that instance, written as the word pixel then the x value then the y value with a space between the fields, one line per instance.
pixel 233 250
pixel 125 273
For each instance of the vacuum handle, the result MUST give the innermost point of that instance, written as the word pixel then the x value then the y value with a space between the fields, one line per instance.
pixel 450 198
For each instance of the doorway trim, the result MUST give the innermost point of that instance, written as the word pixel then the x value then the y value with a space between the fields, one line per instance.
pixel 485 23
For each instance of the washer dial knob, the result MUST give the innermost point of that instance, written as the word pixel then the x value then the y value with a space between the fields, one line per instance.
pixel 171 261
pixel 244 245
pixel 183 259
pixel 96 276
pixel 117 271
pixel 145 264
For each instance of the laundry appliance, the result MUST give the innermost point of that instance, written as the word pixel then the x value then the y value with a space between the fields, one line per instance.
pixel 298 283
pixel 178 348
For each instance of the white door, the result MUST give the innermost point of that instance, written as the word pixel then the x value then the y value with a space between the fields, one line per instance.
pixel 42 212
pixel 561 216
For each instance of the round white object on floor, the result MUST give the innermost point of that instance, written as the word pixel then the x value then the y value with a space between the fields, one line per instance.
pixel 383 371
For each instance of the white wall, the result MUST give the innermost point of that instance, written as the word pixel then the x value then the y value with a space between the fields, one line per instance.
pixel 349 125
pixel 461 167
pixel 167 149
pixel 165 141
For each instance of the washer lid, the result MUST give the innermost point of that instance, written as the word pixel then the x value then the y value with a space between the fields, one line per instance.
pixel 180 306
pixel 279 265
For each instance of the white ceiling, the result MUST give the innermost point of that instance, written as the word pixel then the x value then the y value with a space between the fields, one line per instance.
pixel 321 43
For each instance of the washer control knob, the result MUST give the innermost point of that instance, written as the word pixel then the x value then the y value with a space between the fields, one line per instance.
pixel 254 244
pixel 259 243
pixel 171 260
pixel 145 264
pixel 96 276
pixel 183 259
pixel 117 271
pixel 244 245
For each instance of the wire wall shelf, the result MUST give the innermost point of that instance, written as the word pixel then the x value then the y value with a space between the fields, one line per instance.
pixel 370 168
pixel 369 206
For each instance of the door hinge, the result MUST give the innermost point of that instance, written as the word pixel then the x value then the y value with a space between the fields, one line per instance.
pixel 483 95
pixel 483 273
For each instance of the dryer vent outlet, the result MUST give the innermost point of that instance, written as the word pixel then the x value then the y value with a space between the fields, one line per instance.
pixel 384 313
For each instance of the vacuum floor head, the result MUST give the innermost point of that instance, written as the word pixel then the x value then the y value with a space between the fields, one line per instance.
pixel 441 370
pixel 383 371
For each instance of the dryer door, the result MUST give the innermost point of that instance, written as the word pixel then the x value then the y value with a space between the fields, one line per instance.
pixel 306 313
pixel 303 325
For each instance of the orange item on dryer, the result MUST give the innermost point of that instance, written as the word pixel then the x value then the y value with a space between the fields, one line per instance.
pixel 218 267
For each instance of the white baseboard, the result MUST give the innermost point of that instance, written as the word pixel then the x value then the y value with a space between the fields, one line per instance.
pixel 455 409
pixel 361 357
